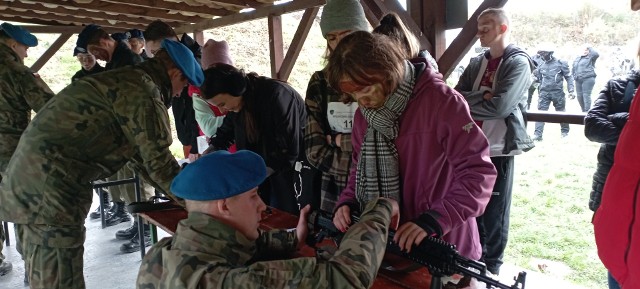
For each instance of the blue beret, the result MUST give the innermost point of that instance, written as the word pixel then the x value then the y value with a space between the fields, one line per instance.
pixel 19 34
pixel 220 175
pixel 183 59
pixel 119 36
pixel 136 33
pixel 84 37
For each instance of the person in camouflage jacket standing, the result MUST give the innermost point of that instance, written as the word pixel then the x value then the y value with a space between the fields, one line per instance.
pixel 88 131
pixel 21 90
pixel 214 246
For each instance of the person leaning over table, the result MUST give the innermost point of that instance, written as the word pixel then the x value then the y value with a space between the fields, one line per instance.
pixel 109 118
pixel 413 140
pixel 215 245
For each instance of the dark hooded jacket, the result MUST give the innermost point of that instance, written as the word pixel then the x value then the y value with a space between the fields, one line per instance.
pixel 604 123
pixel 584 65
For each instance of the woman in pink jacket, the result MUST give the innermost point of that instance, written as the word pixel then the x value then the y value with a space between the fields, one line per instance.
pixel 414 141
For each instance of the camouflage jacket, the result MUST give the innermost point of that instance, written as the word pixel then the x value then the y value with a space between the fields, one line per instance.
pixel 205 253
pixel 86 132
pixel 21 90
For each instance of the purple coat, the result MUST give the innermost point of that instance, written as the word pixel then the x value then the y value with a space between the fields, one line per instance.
pixel 444 162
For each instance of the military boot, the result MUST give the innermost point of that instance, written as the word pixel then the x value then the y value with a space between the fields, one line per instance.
pixel 107 207
pixel 134 243
pixel 5 267
pixel 120 215
pixel 129 233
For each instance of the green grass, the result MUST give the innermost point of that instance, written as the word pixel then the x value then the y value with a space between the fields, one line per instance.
pixel 550 218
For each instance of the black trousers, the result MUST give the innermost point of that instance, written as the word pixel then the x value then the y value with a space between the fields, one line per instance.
pixel 493 225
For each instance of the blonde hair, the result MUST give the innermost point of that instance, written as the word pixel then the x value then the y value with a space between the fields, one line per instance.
pixel 498 13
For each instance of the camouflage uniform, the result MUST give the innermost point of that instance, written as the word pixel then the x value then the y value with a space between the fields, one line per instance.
pixel 123 56
pixel 86 132
pixel 21 90
pixel 206 253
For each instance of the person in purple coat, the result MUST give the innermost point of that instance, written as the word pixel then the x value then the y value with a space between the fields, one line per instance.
pixel 414 141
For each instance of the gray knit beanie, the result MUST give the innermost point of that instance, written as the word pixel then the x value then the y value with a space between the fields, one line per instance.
pixel 342 15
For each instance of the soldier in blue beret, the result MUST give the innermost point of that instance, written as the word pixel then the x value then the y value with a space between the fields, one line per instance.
pixel 213 247
pixel 21 91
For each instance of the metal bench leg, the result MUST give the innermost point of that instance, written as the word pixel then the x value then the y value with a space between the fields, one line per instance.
pixel 102 217
pixel 6 234
pixel 140 220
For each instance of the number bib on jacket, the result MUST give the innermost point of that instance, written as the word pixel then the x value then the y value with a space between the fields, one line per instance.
pixel 340 116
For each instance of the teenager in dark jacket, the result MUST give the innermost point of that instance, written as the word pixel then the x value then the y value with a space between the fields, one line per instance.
pixel 265 116
pixel 603 124
pixel 585 76
pixel 88 63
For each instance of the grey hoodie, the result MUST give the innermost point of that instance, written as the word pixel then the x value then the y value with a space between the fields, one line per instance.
pixel 503 116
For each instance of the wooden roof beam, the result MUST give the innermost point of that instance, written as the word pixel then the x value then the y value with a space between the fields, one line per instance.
pixel 75 20
pixel 251 15
pixel 241 3
pixel 467 37
pixel 59 10
pixel 14 18
pixel 102 6
pixel 55 46
pixel 202 10
pixel 64 29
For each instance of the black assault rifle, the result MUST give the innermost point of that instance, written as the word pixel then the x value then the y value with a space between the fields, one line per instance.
pixel 440 257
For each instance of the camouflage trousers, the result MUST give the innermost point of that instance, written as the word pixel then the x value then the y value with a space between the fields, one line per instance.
pixel 126 193
pixel 2 237
pixel 53 256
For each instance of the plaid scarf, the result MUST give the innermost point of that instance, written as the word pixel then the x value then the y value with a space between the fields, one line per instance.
pixel 378 174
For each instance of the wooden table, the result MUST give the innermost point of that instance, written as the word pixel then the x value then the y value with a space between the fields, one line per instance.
pixel 274 219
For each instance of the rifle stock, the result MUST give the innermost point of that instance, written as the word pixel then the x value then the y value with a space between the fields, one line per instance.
pixel 440 257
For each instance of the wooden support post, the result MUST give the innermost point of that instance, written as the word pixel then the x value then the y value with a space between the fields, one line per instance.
pixel 298 41
pixel 198 36
pixel 55 46
pixel 276 46
pixel 433 24
pixel 393 5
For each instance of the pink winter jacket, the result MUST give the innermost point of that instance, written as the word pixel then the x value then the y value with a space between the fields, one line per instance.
pixel 444 162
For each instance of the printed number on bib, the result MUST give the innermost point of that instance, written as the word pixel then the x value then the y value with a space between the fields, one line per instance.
pixel 340 116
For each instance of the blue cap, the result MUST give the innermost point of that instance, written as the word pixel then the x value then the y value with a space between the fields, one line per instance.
pixel 77 51
pixel 183 59
pixel 119 36
pixel 23 36
pixel 84 37
pixel 220 175
pixel 136 33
